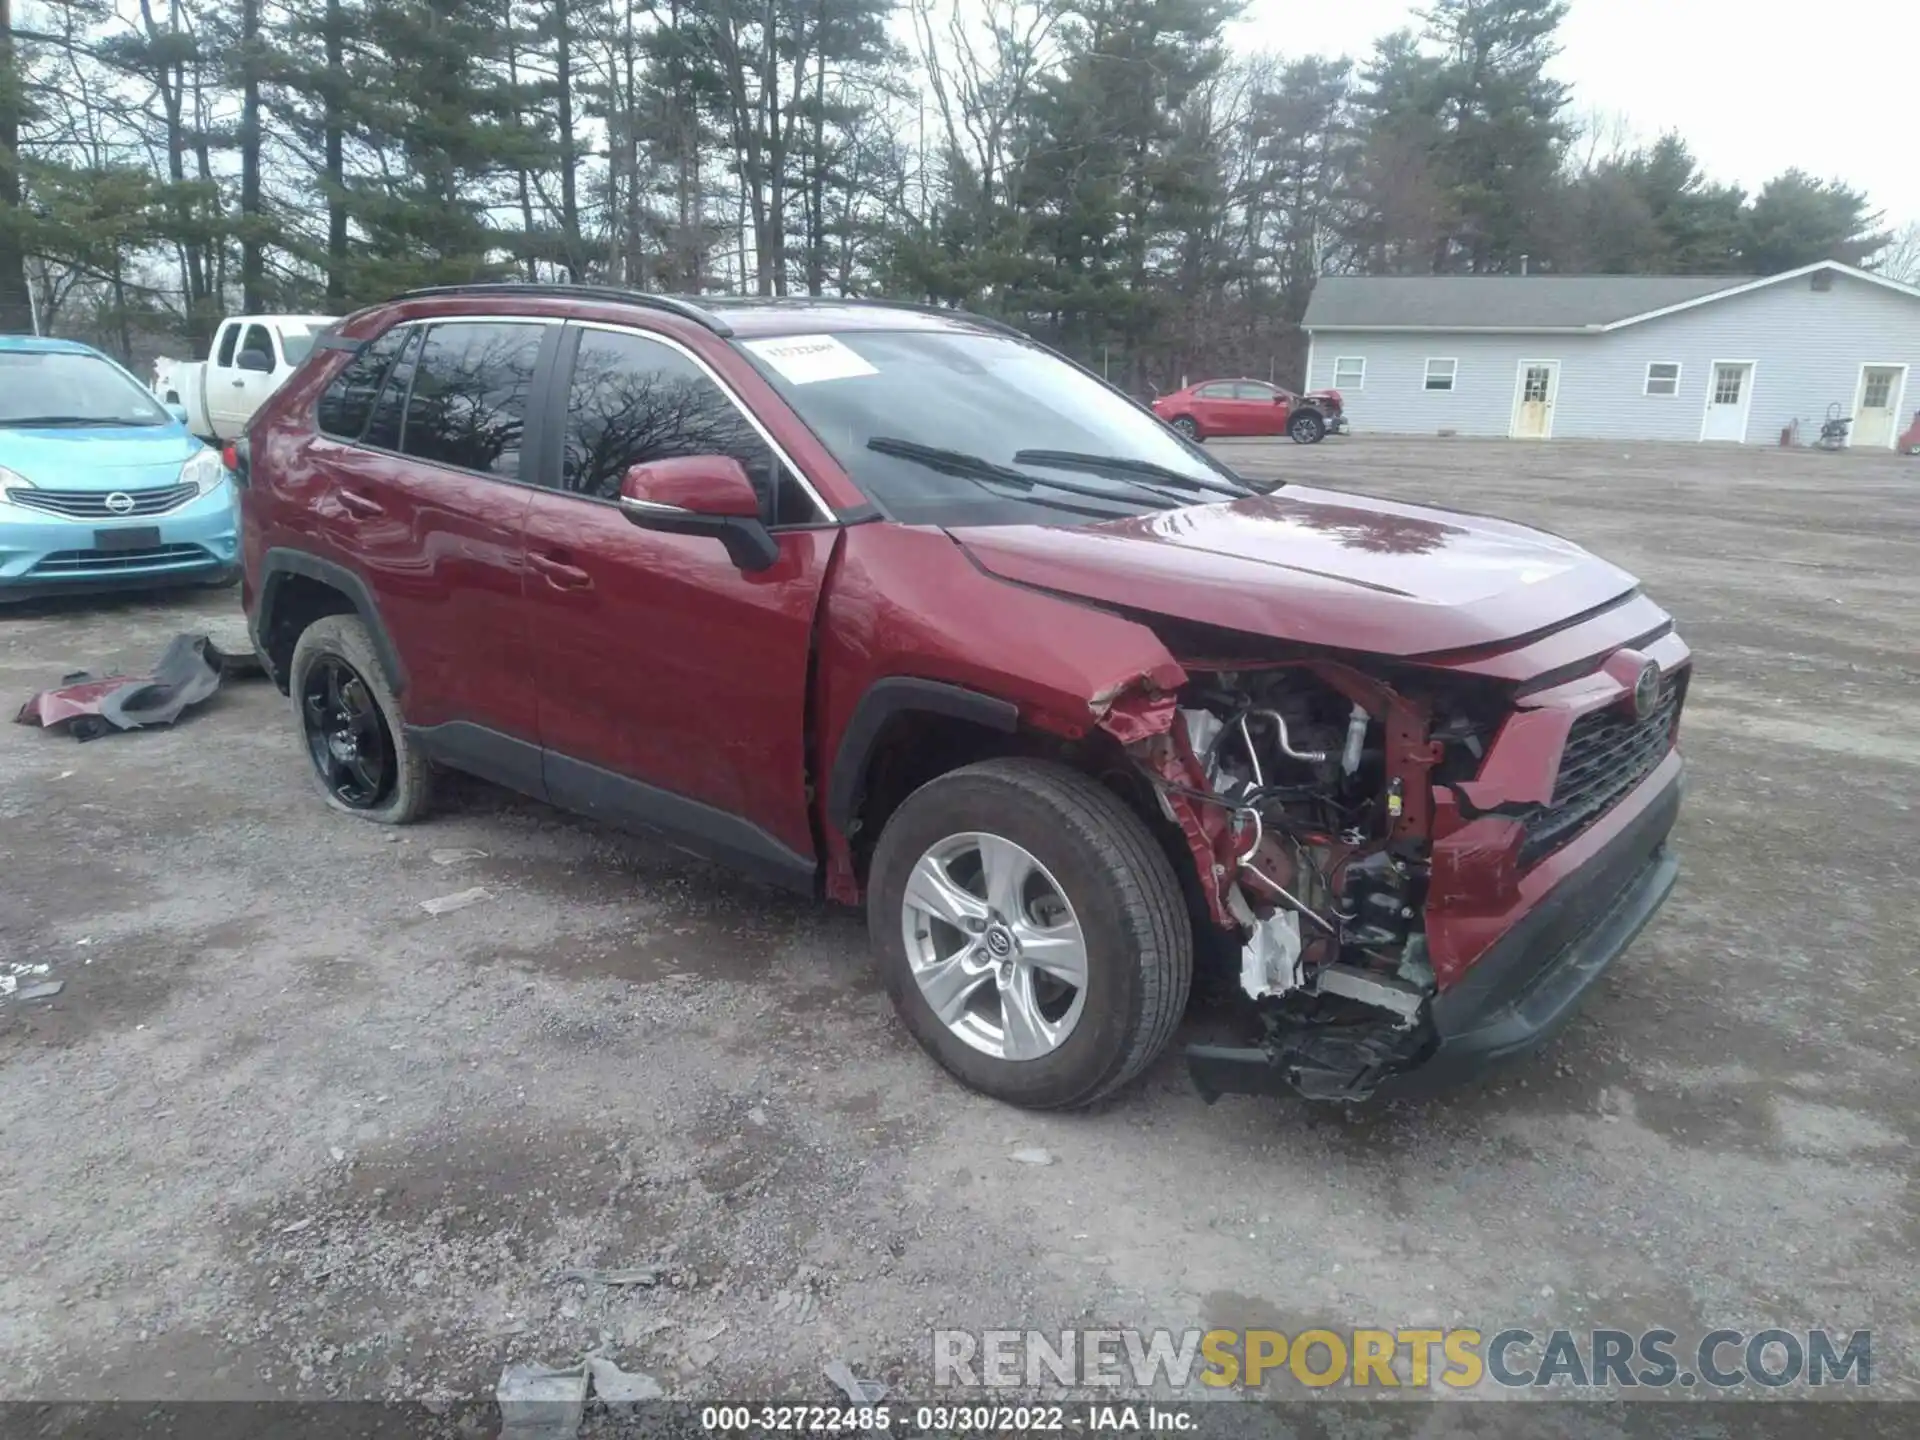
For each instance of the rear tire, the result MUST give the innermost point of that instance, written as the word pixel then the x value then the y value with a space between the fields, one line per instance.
pixel 338 647
pixel 1187 426
pixel 1307 427
pixel 1122 898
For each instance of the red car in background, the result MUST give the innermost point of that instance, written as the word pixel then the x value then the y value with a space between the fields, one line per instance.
pixel 1251 407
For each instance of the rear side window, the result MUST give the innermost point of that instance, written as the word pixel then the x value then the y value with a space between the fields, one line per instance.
pixel 228 335
pixel 470 390
pixel 348 399
pixel 632 401
pixel 383 429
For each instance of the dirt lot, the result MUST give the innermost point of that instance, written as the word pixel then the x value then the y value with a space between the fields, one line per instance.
pixel 286 1134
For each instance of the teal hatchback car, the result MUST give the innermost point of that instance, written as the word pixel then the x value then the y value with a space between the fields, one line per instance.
pixel 102 486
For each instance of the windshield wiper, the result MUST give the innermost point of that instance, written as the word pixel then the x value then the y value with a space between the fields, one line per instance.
pixel 979 468
pixel 1125 465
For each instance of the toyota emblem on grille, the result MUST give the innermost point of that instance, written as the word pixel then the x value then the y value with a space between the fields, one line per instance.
pixel 120 503
pixel 1646 690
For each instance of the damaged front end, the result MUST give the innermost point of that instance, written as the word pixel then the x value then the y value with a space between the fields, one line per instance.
pixel 1304 791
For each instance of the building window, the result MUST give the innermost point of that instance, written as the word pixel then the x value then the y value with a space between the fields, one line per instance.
pixel 1663 378
pixel 1350 373
pixel 1440 374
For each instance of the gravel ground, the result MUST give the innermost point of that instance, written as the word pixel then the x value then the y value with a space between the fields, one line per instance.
pixel 285 1134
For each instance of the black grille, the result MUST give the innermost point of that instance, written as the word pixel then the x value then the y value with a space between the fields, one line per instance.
pixel 67 562
pixel 92 504
pixel 1608 753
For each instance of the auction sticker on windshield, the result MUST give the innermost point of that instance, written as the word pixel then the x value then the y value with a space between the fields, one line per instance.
pixel 804 359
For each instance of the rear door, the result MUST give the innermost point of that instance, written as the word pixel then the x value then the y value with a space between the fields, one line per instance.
pixel 1215 408
pixel 672 686
pixel 426 499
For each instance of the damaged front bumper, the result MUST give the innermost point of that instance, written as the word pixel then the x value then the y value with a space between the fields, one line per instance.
pixel 1517 995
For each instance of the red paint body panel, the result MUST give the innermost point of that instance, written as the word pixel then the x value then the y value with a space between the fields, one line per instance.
pixel 1317 567
pixel 1226 415
pixel 657 659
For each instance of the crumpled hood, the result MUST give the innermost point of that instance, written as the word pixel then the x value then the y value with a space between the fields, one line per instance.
pixel 1318 567
pixel 110 457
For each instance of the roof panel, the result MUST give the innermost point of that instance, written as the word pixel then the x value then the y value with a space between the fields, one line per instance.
pixel 1500 302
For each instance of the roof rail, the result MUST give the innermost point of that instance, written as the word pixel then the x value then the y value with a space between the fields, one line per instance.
pixel 616 294
pixel 861 302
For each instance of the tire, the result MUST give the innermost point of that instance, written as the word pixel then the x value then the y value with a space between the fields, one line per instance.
pixel 1124 899
pixel 1187 426
pixel 339 646
pixel 1306 427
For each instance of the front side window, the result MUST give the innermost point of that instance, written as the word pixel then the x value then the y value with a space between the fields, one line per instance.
pixel 1663 378
pixel 468 408
pixel 1252 390
pixel 258 339
pixel 1350 373
pixel 1440 374
pixel 632 401
pixel 959 427
pixel 348 399
pixel 71 388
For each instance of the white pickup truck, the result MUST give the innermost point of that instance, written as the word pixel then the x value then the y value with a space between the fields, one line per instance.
pixel 252 356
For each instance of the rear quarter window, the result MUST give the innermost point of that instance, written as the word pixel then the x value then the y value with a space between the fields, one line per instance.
pixel 347 403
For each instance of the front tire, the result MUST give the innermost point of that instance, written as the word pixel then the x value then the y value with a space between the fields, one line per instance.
pixel 1307 427
pixel 1031 932
pixel 350 722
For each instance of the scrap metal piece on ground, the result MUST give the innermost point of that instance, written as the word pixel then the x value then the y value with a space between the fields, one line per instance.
pixel 189 670
pixel 538 1402
pixel 45 990
pixel 618 1389
pixel 860 1392
pixel 459 900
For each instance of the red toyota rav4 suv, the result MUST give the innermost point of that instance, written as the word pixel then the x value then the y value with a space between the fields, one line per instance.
pixel 897 606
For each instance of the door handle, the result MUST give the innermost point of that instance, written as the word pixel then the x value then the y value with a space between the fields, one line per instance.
pixel 356 504
pixel 559 574
pixel 238 383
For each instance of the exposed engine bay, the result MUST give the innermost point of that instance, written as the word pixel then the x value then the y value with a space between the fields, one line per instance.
pixel 1321 777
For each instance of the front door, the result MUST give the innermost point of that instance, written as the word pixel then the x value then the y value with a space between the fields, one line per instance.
pixel 672 685
pixel 1874 419
pixel 1729 398
pixel 1534 395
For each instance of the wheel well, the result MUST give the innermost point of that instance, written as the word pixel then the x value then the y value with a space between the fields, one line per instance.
pixel 298 601
pixel 917 746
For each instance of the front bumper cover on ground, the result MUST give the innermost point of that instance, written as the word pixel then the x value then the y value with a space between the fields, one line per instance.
pixel 1518 995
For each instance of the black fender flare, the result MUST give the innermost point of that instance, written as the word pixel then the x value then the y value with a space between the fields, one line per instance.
pixel 281 562
pixel 897 695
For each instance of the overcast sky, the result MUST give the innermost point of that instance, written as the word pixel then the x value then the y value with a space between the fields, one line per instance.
pixel 1754 87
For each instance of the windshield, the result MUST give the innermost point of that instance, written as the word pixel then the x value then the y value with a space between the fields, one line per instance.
pixel 296 343
pixel 67 388
pixel 940 428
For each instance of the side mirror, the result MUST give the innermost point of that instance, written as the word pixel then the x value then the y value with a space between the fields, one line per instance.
pixel 258 361
pixel 178 411
pixel 701 495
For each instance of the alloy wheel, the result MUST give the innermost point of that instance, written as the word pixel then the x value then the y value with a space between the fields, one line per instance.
pixel 347 737
pixel 995 947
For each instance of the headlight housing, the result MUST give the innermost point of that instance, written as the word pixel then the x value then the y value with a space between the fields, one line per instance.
pixel 10 478
pixel 203 471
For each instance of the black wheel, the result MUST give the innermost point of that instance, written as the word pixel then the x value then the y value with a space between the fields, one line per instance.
pixel 351 724
pixel 1187 426
pixel 1307 427
pixel 1030 931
